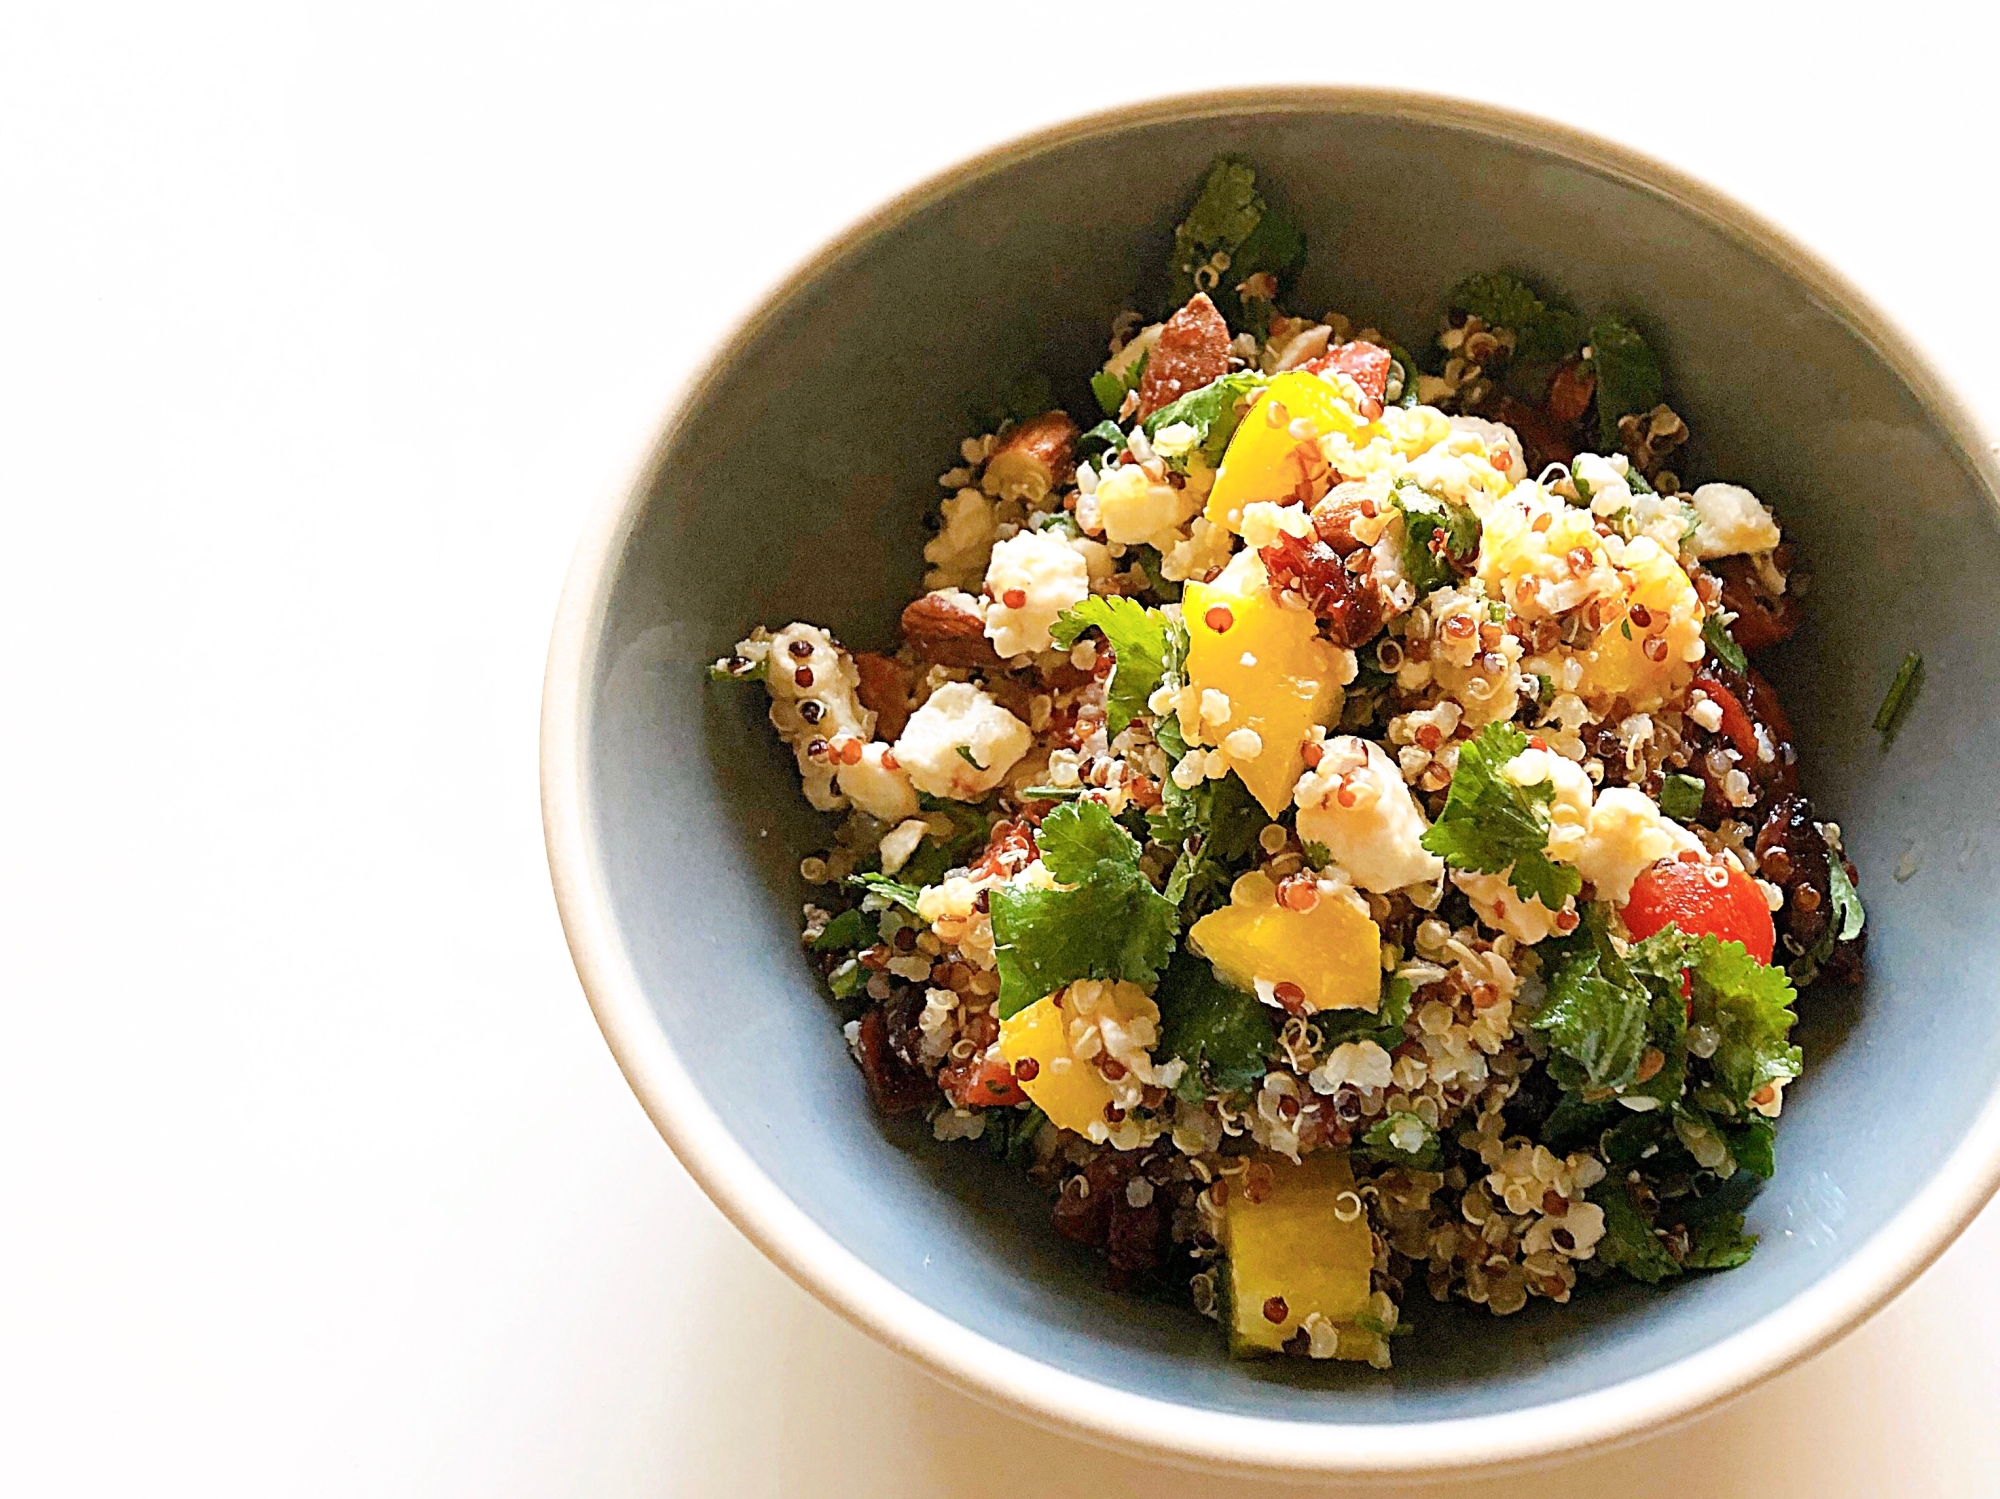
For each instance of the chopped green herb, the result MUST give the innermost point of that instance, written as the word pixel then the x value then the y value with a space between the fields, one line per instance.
pixel 1489 824
pixel 1384 1027
pixel 1681 797
pixel 1111 388
pixel 847 931
pixel 1723 644
pixel 1628 376
pixel 1900 699
pixel 935 856
pixel 1629 1243
pixel 1213 411
pixel 892 892
pixel 1405 1140
pixel 1021 1138
pixel 1403 370
pixel 1224 1035
pixel 1112 923
pixel 965 754
pixel 1222 819
pixel 1138 638
pixel 1424 517
pixel 1848 915
pixel 1229 235
pixel 1050 793
pixel 1106 436
pixel 1503 301
pixel 1750 1005
pixel 1318 855
pixel 1598 1014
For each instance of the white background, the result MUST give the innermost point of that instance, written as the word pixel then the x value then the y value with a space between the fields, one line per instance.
pixel 321 332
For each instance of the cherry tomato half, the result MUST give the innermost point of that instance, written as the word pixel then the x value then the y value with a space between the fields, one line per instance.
pixel 1702 899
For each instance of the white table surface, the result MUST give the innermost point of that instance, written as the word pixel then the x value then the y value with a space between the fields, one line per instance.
pixel 321 331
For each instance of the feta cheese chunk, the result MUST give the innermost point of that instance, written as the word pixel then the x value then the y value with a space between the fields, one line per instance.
pixel 1502 444
pixel 959 717
pixel 1032 578
pixel 1356 803
pixel 1730 520
pixel 880 789
pixel 1503 908
pixel 1134 511
pixel 1628 834
pixel 804 663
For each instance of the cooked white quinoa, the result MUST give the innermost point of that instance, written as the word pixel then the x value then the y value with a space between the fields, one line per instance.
pixel 1366 958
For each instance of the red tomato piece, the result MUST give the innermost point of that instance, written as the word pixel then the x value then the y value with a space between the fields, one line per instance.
pixel 1702 899
pixel 1367 365
pixel 977 1083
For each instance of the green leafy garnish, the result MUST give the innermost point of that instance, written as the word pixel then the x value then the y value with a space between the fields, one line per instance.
pixel 1629 1243
pixel 1380 1142
pixel 1110 387
pixel 1597 1015
pixel 1848 916
pixel 1681 797
pixel 1723 644
pixel 1212 411
pixel 1900 699
pixel 1384 1027
pixel 1138 638
pixel 1489 824
pixel 1224 1035
pixel 1106 436
pixel 847 931
pixel 1318 855
pixel 1231 220
pixel 1503 301
pixel 1628 376
pixel 1222 819
pixel 936 855
pixel 846 980
pixel 1424 518
pixel 1021 1137
pixel 1750 1005
pixel 1718 1242
pixel 892 891
pixel 1112 923
pixel 1406 370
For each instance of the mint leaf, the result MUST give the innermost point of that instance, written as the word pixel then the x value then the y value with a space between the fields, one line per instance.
pixel 1213 411
pixel 1750 1005
pixel 1628 376
pixel 1629 1243
pixel 1224 1035
pixel 1489 824
pixel 1231 218
pixel 1112 925
pixel 1138 640
pixel 1503 301
pixel 1723 644
pixel 1719 1243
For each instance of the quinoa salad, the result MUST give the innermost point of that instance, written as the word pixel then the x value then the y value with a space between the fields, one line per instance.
pixel 1322 820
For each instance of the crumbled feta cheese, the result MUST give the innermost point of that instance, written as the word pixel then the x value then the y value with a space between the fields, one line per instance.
pixel 1134 511
pixel 900 842
pixel 1502 444
pixel 1031 579
pixel 959 717
pixel 1264 523
pixel 1730 520
pixel 957 554
pixel 1356 803
pixel 876 788
pixel 1628 834
pixel 825 675
pixel 1503 908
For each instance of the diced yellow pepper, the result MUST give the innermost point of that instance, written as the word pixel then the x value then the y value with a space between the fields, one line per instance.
pixel 1280 677
pixel 1072 1093
pixel 1264 461
pixel 1616 664
pixel 1332 952
pixel 1304 1248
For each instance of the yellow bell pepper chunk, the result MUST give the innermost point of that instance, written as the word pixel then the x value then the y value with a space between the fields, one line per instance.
pixel 1072 1093
pixel 1265 462
pixel 1332 952
pixel 1616 665
pixel 1304 1248
pixel 1279 676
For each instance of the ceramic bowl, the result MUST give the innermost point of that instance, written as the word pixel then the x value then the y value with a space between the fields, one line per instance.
pixel 792 481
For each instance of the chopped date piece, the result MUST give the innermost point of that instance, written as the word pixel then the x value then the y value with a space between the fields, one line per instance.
pixel 885 692
pixel 944 632
pixel 1084 1216
pixel 1545 439
pixel 1350 604
pixel 1134 1238
pixel 1333 520
pixel 1191 351
pixel 896 1086
pixel 1761 622
pixel 1571 389
pixel 1792 855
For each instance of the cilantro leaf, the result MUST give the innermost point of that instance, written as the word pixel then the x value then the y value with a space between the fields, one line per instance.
pixel 1224 1035
pixel 1503 301
pixel 1629 1243
pixel 1489 824
pixel 1404 1139
pixel 1111 925
pixel 1138 639
pixel 893 892
pixel 1212 411
pixel 1231 218
pixel 1406 371
pixel 1723 644
pixel 1106 436
pixel 1424 517
pixel 1110 387
pixel 935 855
pixel 1222 820
pixel 1384 1027
pixel 1753 1144
pixel 1628 376
pixel 1750 1005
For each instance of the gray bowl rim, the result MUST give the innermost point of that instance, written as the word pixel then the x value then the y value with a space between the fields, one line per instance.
pixel 1156 1429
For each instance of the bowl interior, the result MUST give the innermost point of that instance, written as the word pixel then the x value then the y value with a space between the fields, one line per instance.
pixel 796 485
